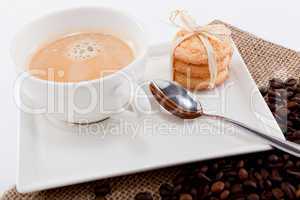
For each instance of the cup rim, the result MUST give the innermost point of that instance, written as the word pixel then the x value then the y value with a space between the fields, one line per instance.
pixel 98 80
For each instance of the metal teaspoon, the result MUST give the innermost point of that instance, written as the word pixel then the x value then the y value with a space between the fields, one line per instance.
pixel 178 101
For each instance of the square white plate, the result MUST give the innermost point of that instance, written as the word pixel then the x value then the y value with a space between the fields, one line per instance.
pixel 53 154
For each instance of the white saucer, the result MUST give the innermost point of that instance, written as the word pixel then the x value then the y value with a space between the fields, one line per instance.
pixel 53 154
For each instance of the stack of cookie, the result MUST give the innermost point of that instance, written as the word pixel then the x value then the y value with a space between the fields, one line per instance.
pixel 190 61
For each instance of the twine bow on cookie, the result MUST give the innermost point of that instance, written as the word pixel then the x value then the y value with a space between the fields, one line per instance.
pixel 182 20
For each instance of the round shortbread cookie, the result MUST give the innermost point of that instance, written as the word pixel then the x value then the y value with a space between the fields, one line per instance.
pixel 199 70
pixel 193 51
pixel 199 84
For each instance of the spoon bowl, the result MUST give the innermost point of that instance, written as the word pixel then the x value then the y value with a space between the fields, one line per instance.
pixel 176 99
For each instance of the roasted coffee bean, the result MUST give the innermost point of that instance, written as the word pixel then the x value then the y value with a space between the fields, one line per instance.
pixel 274 100
pixel 187 186
pixel 282 92
pixel 292 116
pixel 185 197
pixel 258 176
pixel 292 105
pixel 217 187
pixel 253 196
pixel 296 174
pixel 205 192
pixel 290 82
pixel 298 194
pixel 236 188
pixel 231 174
pixel 194 193
pixel 297 132
pixel 277 193
pixel 275 176
pixel 264 173
pixel 177 189
pixel 143 196
pixel 250 185
pixel 274 94
pixel 276 83
pixel 267 184
pixel 225 194
pixel 215 167
pixel 259 162
pixel 288 189
pixel 294 120
pixel 297 141
pixel 296 123
pixel 266 195
pixel 273 158
pixel 102 190
pixel 239 198
pixel 204 169
pixel 290 94
pixel 227 168
pixel 178 180
pixel 165 190
pixel 260 184
pixel 293 136
pixel 240 164
pixel 219 175
pixel 289 164
pixel 170 198
pixel 297 95
pixel 286 156
pixel 291 88
pixel 227 185
pixel 298 163
pixel 243 174
pixel 296 99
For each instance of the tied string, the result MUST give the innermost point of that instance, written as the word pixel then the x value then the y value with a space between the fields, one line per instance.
pixel 182 20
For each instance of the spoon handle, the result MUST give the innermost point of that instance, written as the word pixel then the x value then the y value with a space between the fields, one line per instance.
pixel 286 146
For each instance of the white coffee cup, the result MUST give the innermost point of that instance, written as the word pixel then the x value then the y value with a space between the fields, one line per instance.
pixel 86 101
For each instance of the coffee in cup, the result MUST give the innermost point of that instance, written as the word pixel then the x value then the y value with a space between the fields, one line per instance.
pixel 80 57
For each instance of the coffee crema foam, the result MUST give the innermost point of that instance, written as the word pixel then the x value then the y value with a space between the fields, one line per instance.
pixel 80 57
pixel 84 49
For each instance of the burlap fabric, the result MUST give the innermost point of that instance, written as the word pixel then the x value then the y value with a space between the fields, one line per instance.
pixel 264 59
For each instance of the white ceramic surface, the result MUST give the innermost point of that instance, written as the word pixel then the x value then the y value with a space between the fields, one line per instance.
pixel 264 23
pixel 54 154
pixel 85 101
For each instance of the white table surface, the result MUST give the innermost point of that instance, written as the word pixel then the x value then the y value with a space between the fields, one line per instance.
pixel 276 21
